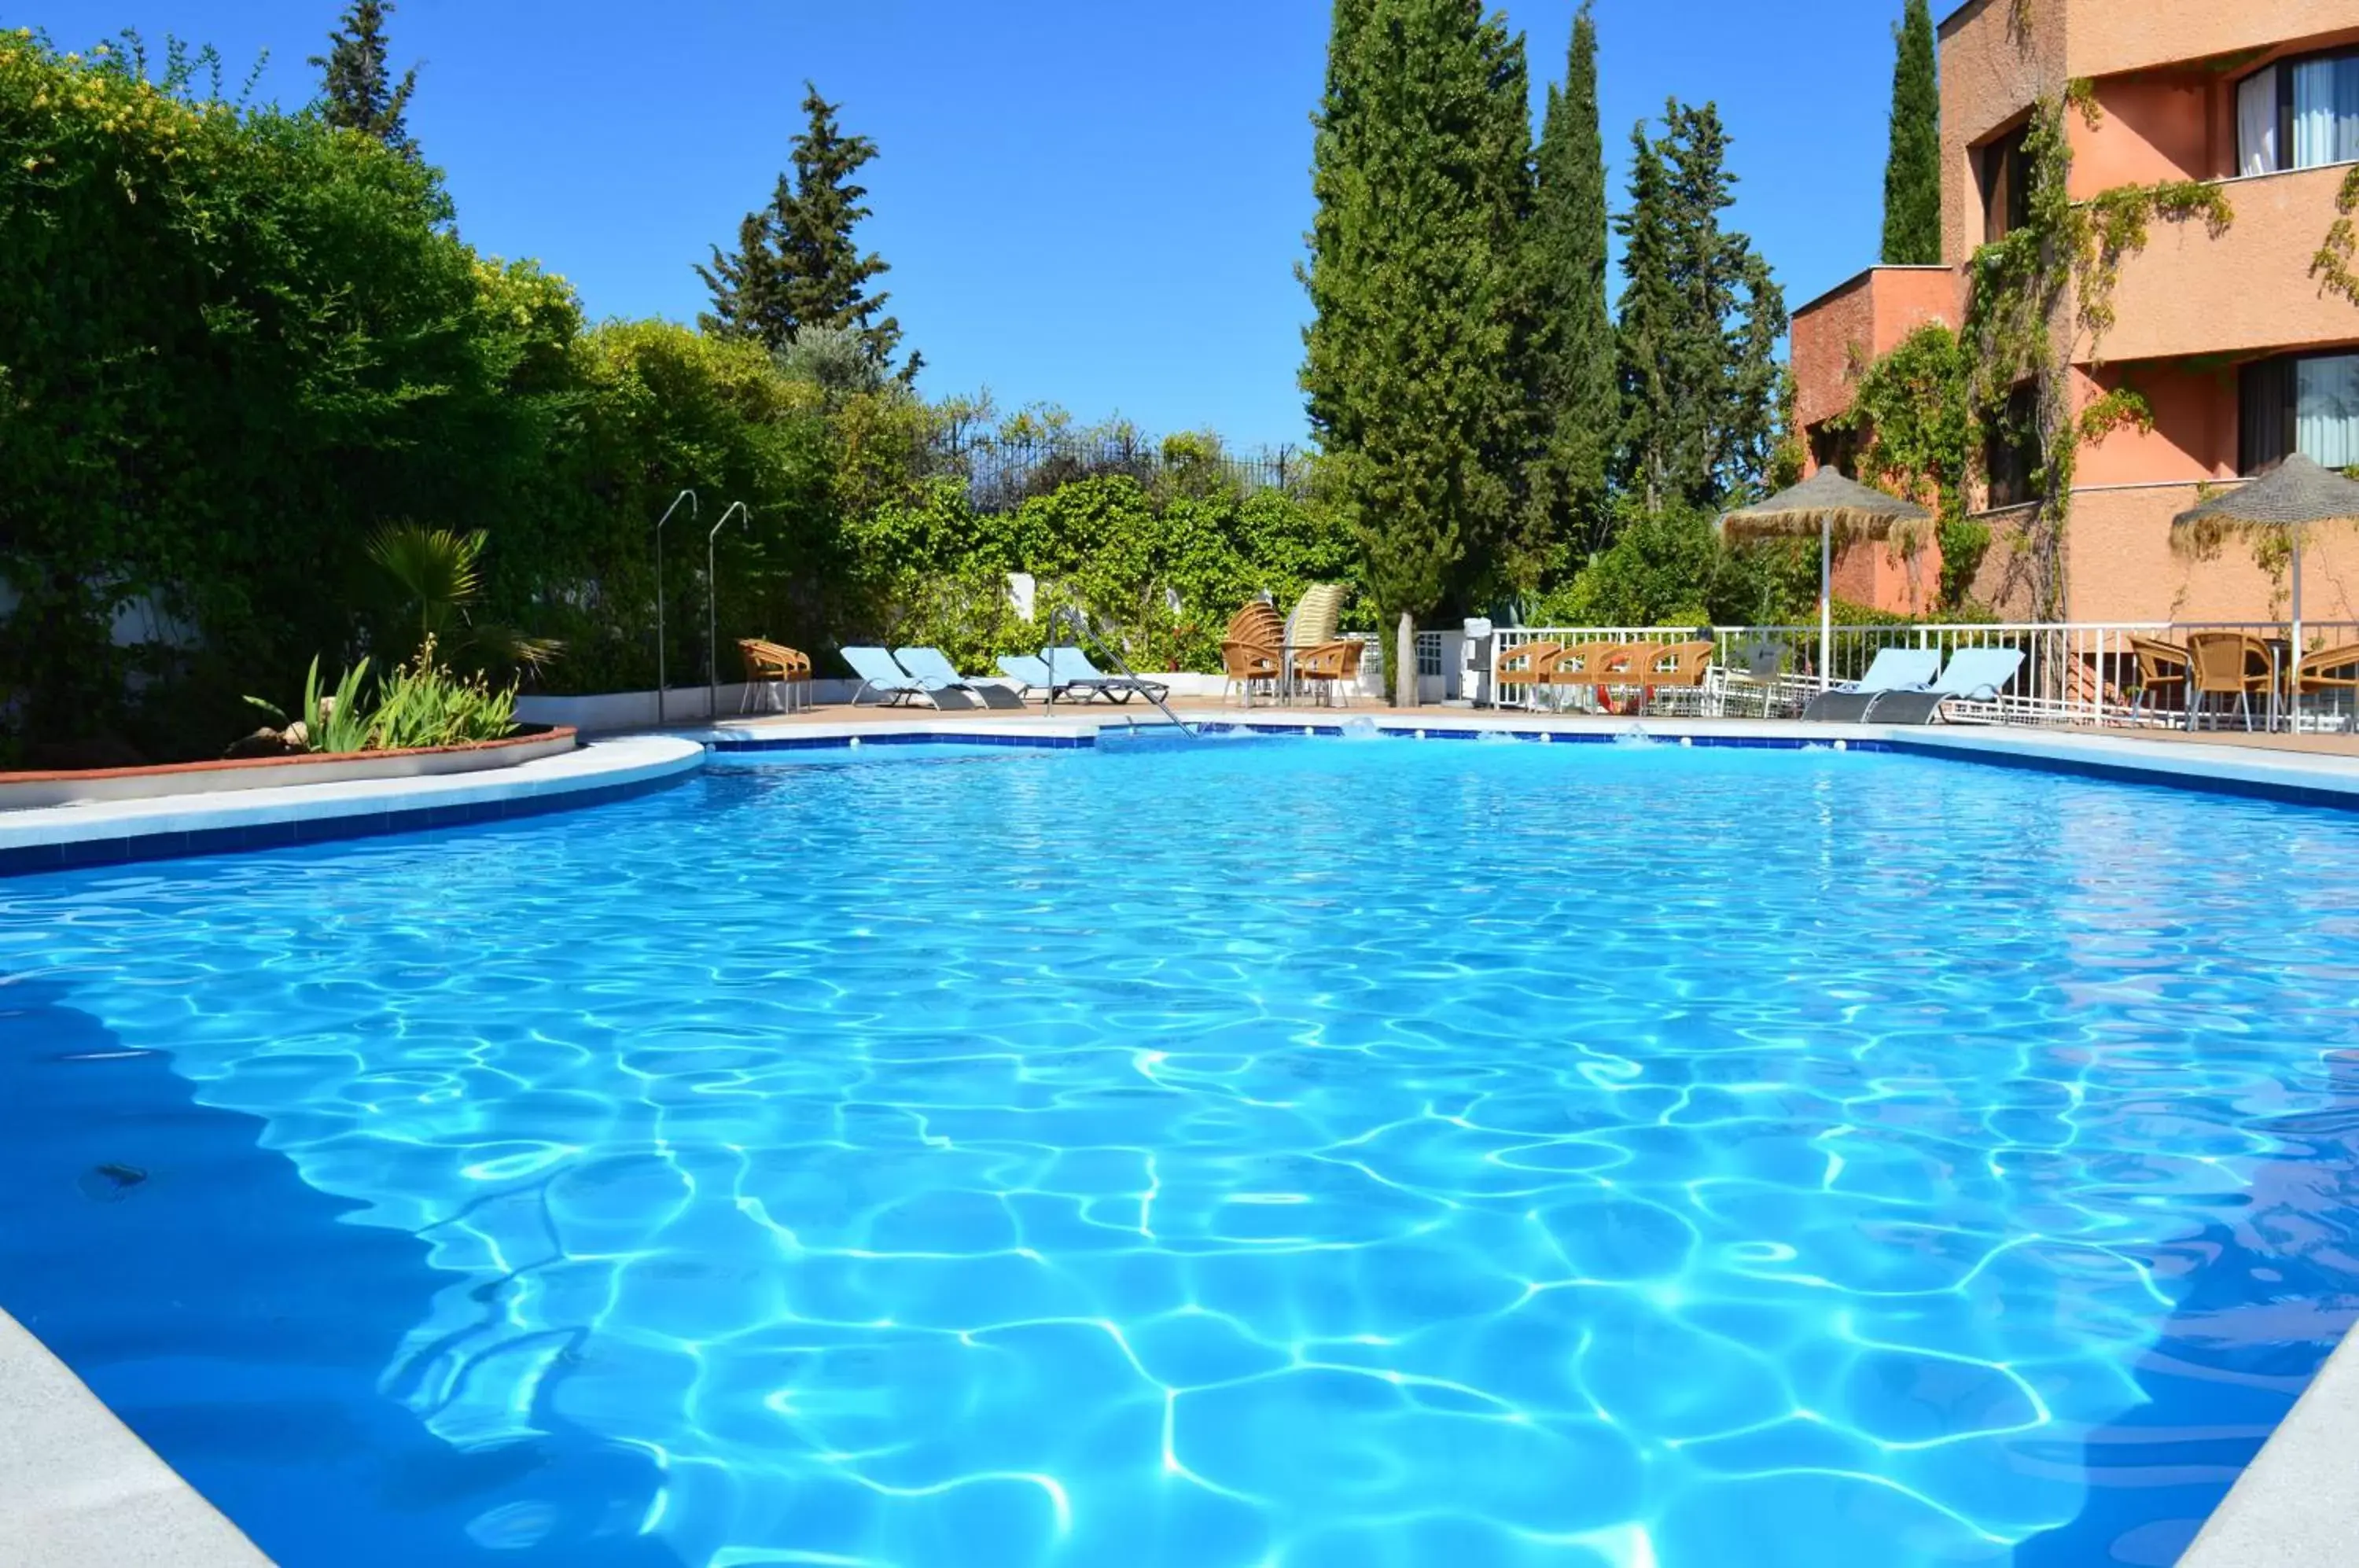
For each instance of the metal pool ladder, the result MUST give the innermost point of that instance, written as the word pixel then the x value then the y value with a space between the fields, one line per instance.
pixel 1072 617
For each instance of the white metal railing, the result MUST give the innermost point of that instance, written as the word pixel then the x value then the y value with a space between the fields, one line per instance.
pixel 2072 672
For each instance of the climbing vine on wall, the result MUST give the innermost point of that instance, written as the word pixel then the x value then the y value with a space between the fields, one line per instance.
pixel 2332 266
pixel 2035 295
pixel 1914 418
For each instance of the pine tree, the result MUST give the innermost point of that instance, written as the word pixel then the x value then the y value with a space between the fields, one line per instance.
pixel 1912 171
pixel 1418 367
pixel 359 91
pixel 796 266
pixel 1578 405
pixel 1700 321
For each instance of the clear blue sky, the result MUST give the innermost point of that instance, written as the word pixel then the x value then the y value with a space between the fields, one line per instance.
pixel 1094 203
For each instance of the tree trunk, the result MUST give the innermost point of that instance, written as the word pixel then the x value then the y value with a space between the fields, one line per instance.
pixel 1404 663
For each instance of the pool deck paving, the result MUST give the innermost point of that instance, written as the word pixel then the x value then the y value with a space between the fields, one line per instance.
pixel 78 1487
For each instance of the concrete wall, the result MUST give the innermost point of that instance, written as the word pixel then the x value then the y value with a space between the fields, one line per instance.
pixel 1992 71
pixel 2154 126
pixel 2120 566
pixel 1877 574
pixel 1864 318
pixel 2195 424
pixel 2107 36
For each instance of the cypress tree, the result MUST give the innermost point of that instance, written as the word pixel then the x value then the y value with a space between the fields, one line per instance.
pixel 359 93
pixel 1912 170
pixel 1700 321
pixel 1418 367
pixel 1575 329
pixel 797 265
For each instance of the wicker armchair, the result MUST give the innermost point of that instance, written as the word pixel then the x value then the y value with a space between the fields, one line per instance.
pixel 769 666
pixel 2231 664
pixel 1254 649
pixel 2328 670
pixel 1333 666
pixel 1518 669
pixel 2162 674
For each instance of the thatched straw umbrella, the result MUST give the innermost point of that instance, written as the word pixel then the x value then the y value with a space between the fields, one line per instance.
pixel 1835 507
pixel 2291 499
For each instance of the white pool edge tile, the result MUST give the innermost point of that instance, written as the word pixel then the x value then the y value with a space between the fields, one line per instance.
pixel 79 1488
pixel 599 765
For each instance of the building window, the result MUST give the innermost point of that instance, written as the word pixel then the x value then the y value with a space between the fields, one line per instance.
pixel 2011 449
pixel 1836 449
pixel 2007 186
pixel 2307 403
pixel 2301 112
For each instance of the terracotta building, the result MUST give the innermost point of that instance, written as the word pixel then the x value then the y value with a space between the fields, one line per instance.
pixel 2238 351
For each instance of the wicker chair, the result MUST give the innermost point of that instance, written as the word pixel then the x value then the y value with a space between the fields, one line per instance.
pixel 1676 667
pixel 769 666
pixel 1518 666
pixel 1333 666
pixel 2330 669
pixel 1255 649
pixel 2231 664
pixel 1582 664
pixel 2162 671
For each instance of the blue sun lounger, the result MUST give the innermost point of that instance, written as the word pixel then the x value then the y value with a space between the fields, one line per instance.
pixel 889 680
pixel 932 665
pixel 1975 675
pixel 1070 669
pixel 1894 670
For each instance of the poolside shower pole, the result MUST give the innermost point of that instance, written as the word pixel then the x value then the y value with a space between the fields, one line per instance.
pixel 689 496
pixel 712 612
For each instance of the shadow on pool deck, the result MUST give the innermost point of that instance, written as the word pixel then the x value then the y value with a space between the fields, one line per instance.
pixel 2271 1297
pixel 235 1321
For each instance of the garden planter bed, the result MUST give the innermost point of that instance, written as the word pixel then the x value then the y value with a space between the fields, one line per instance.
pixel 19 791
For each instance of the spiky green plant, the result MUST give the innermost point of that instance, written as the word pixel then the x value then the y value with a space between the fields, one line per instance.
pixel 440 575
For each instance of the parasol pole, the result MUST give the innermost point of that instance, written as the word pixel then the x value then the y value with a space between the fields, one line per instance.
pixel 2294 693
pixel 1827 598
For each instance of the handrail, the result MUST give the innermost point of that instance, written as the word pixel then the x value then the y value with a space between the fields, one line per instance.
pixel 712 608
pixel 661 682
pixel 1080 623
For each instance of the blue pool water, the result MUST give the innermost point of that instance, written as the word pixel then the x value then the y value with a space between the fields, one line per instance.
pixel 1252 1153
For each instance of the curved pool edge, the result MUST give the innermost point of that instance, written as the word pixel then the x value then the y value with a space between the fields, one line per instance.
pixel 79 1487
pixel 104 833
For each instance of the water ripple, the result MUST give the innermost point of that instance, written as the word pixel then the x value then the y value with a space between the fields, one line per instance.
pixel 1302 1154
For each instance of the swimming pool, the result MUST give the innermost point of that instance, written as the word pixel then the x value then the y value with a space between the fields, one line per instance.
pixel 1249 1152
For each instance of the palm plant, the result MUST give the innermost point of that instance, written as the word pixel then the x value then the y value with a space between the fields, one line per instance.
pixel 439 574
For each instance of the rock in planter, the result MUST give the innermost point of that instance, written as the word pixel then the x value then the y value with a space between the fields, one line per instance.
pixel 292 741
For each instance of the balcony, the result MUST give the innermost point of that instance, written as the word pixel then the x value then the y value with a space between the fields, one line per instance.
pixel 2247 291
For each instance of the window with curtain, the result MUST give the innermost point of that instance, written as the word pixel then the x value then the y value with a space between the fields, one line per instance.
pixel 2256 123
pixel 2299 114
pixel 2326 410
pixel 2308 404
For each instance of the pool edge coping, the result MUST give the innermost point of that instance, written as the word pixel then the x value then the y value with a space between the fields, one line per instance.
pixel 89 833
pixel 2293 1507
pixel 78 1486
